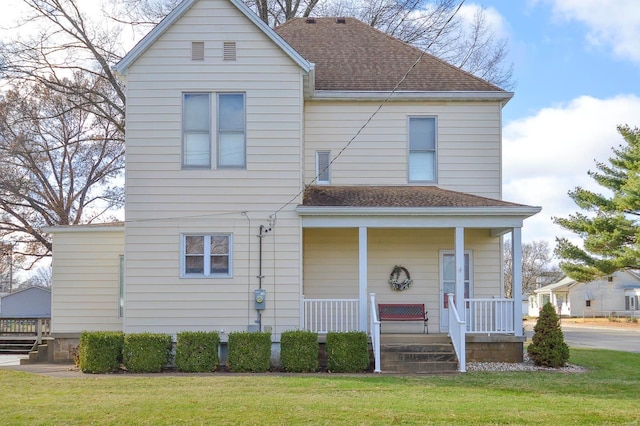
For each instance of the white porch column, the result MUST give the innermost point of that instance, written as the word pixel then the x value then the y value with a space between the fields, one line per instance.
pixel 362 274
pixel 459 255
pixel 516 281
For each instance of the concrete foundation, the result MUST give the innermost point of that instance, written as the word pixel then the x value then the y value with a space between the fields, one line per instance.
pixel 497 348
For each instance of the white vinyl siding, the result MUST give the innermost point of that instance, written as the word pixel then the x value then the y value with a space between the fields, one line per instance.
pixel 422 149
pixel 468 143
pixel 231 130
pixel 85 294
pixel 165 200
pixel 196 122
pixel 323 164
pixel 206 256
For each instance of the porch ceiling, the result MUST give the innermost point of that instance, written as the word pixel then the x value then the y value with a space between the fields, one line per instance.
pixel 408 206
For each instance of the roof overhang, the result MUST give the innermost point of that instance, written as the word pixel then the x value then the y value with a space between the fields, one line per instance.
pixel 336 95
pixel 123 65
pixel 106 227
pixel 499 219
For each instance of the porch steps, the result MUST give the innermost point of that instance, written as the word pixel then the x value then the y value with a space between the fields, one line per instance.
pixel 417 354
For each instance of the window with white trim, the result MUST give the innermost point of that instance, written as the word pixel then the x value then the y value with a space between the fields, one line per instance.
pixel 422 149
pixel 196 130
pixel 206 255
pixel 231 130
pixel 323 163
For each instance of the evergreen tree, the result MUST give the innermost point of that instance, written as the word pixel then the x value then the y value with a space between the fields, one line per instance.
pixel 609 227
pixel 548 347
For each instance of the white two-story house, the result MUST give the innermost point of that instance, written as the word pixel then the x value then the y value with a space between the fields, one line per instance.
pixel 304 162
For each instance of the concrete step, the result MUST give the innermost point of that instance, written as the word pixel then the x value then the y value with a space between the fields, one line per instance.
pixel 422 368
pixel 414 338
pixel 417 354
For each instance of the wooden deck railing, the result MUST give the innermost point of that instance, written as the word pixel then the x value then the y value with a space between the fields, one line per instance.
pixel 39 327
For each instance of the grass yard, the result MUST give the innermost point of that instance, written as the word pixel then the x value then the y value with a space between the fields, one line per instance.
pixel 607 394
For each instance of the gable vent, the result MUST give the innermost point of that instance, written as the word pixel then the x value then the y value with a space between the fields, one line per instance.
pixel 341 20
pixel 197 51
pixel 229 51
pixel 311 20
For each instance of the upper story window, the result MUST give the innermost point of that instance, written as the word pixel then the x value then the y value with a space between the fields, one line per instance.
pixel 197 125
pixel 323 164
pixel 196 128
pixel 231 130
pixel 206 255
pixel 422 149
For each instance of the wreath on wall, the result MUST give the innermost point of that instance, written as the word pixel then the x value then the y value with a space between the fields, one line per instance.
pixel 399 279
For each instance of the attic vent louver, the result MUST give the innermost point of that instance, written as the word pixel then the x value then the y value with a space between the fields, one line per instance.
pixel 311 20
pixel 341 20
pixel 229 51
pixel 197 51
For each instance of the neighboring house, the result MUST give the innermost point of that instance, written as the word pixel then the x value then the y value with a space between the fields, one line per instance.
pixel 304 163
pixel 555 293
pixel 617 294
pixel 32 302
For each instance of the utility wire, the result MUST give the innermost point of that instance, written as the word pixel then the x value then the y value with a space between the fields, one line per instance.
pixel 374 114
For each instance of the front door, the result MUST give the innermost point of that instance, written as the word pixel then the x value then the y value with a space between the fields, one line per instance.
pixel 448 283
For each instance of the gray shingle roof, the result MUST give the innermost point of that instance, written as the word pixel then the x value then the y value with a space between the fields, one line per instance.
pixel 353 56
pixel 395 196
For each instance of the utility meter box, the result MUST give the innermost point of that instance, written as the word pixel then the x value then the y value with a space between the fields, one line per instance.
pixel 260 299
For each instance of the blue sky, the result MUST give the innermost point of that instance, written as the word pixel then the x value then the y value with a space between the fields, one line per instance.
pixel 577 68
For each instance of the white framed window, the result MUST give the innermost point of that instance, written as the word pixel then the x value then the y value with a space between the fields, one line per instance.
pixel 422 149
pixel 206 255
pixel 323 163
pixel 196 130
pixel 231 130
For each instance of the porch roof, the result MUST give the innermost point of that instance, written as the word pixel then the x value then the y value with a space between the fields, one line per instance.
pixel 395 196
pixel 407 206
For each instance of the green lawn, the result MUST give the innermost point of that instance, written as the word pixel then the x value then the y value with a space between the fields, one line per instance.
pixel 608 393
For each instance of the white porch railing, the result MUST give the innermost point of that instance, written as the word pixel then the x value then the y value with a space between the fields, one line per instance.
pixel 457 330
pixel 330 315
pixel 375 332
pixel 491 316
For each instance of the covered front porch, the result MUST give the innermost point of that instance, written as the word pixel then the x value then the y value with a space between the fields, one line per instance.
pixel 450 256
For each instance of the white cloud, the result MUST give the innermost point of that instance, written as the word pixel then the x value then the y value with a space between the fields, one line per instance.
pixel 550 153
pixel 612 25
pixel 494 20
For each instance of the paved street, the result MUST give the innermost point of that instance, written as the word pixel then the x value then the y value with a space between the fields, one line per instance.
pixel 597 337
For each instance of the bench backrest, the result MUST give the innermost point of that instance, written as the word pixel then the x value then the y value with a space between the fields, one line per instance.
pixel 401 311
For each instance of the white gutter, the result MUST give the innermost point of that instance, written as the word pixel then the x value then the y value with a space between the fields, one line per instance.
pixel 335 95
pixel 524 211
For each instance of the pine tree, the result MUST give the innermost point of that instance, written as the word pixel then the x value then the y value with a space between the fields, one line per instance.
pixel 608 225
pixel 548 347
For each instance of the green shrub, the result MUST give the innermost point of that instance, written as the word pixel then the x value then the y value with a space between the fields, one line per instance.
pixel 197 351
pixel 146 352
pixel 249 352
pixel 347 352
pixel 299 351
pixel 100 351
pixel 548 347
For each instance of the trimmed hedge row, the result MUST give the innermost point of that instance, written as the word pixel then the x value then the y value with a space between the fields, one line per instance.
pixel 196 351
